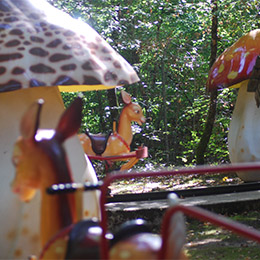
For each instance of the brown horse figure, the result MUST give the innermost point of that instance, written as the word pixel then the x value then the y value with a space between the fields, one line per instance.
pixel 118 142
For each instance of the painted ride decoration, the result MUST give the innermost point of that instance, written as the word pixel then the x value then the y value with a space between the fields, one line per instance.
pixel 40 161
pixel 116 145
pixel 236 67
pixel 44 51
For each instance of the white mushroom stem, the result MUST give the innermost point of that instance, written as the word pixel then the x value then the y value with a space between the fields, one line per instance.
pixel 244 132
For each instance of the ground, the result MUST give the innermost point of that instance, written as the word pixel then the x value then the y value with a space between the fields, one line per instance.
pixel 151 184
pixel 205 241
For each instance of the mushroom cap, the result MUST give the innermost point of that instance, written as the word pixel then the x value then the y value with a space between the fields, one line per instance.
pixel 236 63
pixel 43 46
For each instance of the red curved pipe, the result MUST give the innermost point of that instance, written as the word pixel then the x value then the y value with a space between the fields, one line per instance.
pixel 179 171
pixel 205 216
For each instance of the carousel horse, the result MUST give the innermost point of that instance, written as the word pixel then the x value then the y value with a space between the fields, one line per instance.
pixel 118 142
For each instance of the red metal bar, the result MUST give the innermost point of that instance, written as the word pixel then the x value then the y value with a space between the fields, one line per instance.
pixel 142 152
pixel 205 216
pixel 184 171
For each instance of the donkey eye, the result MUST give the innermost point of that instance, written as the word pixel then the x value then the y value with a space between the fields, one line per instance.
pixel 15 160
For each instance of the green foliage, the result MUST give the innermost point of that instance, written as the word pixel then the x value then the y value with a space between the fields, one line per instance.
pixel 168 43
pixel 91 116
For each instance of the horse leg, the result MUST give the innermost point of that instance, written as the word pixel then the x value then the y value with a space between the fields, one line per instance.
pixel 129 164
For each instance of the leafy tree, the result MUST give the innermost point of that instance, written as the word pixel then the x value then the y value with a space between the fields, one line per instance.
pixel 169 45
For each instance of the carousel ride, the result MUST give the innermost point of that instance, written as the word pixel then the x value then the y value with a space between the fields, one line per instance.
pixel 41 162
pixel 40 56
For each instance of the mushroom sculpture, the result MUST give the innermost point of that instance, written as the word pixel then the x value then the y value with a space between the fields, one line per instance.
pixel 44 51
pixel 236 67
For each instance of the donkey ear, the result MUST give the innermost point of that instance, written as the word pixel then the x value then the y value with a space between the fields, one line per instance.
pixel 31 120
pixel 126 97
pixel 70 120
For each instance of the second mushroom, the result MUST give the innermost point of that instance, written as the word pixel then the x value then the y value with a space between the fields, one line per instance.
pixel 237 67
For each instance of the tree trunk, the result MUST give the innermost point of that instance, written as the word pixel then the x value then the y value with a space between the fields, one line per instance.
pixel 203 144
pixel 165 118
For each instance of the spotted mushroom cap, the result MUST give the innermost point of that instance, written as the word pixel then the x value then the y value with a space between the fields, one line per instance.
pixel 43 46
pixel 236 63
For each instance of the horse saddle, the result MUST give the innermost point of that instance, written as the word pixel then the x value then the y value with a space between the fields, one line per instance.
pixel 99 142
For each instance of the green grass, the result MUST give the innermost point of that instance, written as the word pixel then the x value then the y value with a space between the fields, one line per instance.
pixel 227 253
pixel 206 241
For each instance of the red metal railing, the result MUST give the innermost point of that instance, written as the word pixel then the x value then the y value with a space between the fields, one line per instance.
pixel 191 211
pixel 205 216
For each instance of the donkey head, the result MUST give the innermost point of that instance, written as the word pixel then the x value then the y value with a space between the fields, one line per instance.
pixel 38 154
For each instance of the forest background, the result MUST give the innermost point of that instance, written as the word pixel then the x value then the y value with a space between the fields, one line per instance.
pixel 171 44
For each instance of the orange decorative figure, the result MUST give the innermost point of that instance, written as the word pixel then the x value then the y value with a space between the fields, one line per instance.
pixel 118 142
pixel 41 161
